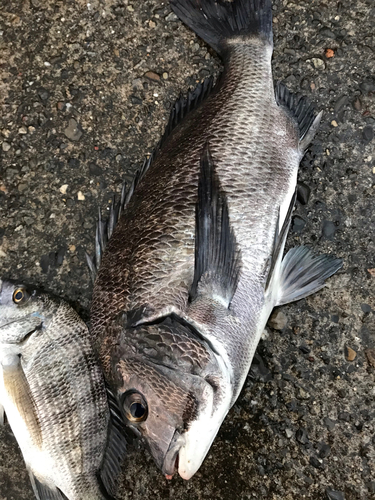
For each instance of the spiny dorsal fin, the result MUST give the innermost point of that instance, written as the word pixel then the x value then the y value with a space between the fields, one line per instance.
pixel 301 111
pixel 184 105
pixel 115 449
pixel 104 229
pixel 217 260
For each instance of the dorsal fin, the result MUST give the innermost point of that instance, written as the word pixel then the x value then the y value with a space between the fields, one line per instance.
pixel 301 111
pixel 184 105
pixel 217 260
pixel 104 229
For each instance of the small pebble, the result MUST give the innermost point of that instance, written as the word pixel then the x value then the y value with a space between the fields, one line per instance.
pixel 334 495
pixel 95 169
pixel 303 193
pixel 329 53
pixel 73 131
pixel 367 134
pixel 329 229
pixel 318 63
pixel 315 462
pixel 301 436
pixel 366 308
pixel 350 354
pixel 298 223
pixel 22 130
pixel 324 451
pixel 330 424
pixel 172 17
pixel 60 106
pixel 72 248
pixel 334 123
pixel 152 24
pixel 151 75
pixel 165 75
pixel 357 104
pixel 278 321
pixel 31 129
pixel 135 100
pixel 6 146
pixel 370 355
pixel 341 103
pixel 80 196
pixel 63 188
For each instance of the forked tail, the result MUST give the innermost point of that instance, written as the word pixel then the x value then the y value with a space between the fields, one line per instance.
pixel 217 21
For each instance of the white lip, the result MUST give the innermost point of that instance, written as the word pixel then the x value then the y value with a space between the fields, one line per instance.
pixel 169 465
pixel 200 435
pixel 197 444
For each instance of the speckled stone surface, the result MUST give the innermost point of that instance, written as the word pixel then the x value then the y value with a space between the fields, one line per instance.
pixel 85 90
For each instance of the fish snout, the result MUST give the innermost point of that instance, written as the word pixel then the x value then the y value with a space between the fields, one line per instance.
pixel 171 459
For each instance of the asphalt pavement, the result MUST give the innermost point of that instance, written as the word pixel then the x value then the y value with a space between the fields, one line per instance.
pixel 85 93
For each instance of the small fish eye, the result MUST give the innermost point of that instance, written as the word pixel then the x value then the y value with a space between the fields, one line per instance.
pixel 137 410
pixel 135 406
pixel 19 295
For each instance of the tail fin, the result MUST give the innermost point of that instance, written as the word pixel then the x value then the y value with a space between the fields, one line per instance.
pixel 218 20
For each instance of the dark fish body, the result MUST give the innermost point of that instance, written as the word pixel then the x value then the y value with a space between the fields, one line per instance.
pixel 53 393
pixel 243 143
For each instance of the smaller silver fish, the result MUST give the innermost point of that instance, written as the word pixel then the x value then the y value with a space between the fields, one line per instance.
pixel 53 393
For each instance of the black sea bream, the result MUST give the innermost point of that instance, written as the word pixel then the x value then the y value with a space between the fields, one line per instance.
pixel 194 266
pixel 52 391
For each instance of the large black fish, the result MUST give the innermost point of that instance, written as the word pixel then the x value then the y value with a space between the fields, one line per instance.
pixel 195 264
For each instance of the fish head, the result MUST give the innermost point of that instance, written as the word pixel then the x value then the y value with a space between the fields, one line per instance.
pixel 22 311
pixel 172 393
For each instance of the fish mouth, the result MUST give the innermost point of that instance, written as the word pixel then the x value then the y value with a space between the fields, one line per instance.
pixel 171 459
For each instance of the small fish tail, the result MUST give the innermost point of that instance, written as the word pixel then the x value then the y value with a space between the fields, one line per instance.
pixel 217 21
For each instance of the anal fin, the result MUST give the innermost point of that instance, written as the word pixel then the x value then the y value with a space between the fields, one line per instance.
pixel 303 273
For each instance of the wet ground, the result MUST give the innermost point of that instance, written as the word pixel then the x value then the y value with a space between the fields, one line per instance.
pixel 85 91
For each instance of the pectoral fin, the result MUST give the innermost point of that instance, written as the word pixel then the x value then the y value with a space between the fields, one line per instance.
pixel 116 447
pixel 217 259
pixel 17 387
pixel 303 273
pixel 44 492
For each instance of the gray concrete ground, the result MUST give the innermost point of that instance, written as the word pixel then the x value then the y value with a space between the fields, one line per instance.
pixel 85 91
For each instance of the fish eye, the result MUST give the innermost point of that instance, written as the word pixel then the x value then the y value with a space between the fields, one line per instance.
pixel 20 295
pixel 135 406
